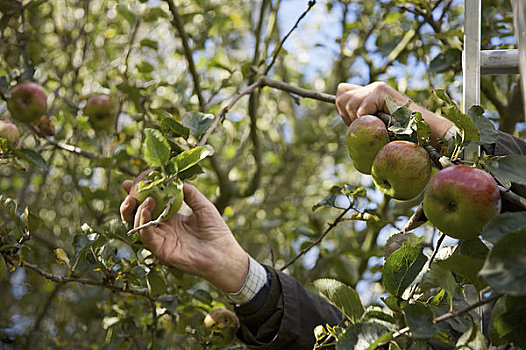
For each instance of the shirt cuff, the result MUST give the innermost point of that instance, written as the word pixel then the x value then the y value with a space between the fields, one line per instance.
pixel 256 279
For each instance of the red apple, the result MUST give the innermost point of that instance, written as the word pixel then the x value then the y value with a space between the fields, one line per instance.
pixel 401 169
pixel 365 137
pixel 27 102
pixel 100 111
pixel 10 132
pixel 460 200
pixel 159 194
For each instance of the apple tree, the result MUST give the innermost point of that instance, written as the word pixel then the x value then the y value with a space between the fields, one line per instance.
pixel 237 97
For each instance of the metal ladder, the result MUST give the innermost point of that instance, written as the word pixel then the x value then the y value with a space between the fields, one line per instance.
pixel 489 62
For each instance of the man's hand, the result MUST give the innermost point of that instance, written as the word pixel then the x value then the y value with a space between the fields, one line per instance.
pixel 354 101
pixel 200 244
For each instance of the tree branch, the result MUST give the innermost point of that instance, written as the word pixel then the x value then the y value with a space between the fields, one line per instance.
pixel 332 225
pixel 65 279
pixel 280 45
pixel 179 25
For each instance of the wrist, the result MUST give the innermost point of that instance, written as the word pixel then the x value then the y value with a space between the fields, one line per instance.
pixel 231 270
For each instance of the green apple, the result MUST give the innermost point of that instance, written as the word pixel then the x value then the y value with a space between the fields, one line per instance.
pixel 100 111
pixel 10 132
pixel 401 169
pixel 365 137
pixel 223 324
pixel 27 102
pixel 460 200
pixel 158 192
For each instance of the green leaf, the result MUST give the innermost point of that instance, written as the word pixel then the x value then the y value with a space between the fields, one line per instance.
pixel 197 122
pixel 144 67
pixel 187 159
pixel 423 131
pixel 191 172
pixel 83 242
pixel 504 269
pixel 437 276
pixel 419 319
pixel 150 43
pixel 397 240
pixel 391 105
pixel 504 224
pixel 467 260
pixel 512 168
pixel 472 339
pixel 342 296
pixel 461 120
pixel 402 268
pixel 155 283
pixel 488 133
pixel 330 199
pixel 203 296
pixel 30 156
pixel 157 151
pixel 363 336
pixel 173 128
pixel 508 324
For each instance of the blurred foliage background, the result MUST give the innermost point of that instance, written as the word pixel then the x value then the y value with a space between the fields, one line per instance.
pixel 276 155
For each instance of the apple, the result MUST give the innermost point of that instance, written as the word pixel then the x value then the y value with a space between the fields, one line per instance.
pixel 10 132
pixel 365 137
pixel 401 169
pixel 223 323
pixel 100 111
pixel 27 102
pixel 159 194
pixel 460 200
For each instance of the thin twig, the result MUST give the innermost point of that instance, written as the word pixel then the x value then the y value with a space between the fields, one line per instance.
pixel 219 118
pixel 452 314
pixel 511 197
pixel 332 225
pixel 66 279
pixel 280 45
pixel 179 25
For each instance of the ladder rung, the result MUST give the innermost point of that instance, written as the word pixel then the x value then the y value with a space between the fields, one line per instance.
pixel 499 62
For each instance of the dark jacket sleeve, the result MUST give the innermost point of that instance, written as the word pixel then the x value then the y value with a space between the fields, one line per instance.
pixel 287 317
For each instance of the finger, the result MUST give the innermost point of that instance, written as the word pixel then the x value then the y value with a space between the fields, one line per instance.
pixel 144 212
pixel 194 198
pixel 127 184
pixel 341 101
pixel 344 87
pixel 127 209
pixel 370 105
pixel 352 106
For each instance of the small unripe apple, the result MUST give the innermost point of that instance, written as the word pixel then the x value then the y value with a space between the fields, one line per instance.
pixel 460 200
pixel 224 324
pixel 365 137
pixel 27 102
pixel 157 193
pixel 401 169
pixel 10 132
pixel 100 111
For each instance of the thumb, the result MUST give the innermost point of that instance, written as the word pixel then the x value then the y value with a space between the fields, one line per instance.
pixel 194 198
